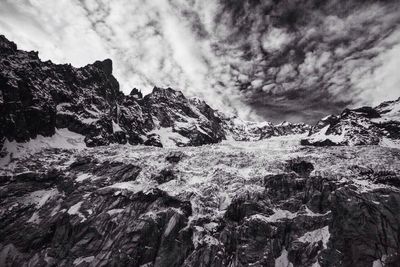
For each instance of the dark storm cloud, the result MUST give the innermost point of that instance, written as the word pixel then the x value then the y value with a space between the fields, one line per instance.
pixel 293 60
pixel 314 57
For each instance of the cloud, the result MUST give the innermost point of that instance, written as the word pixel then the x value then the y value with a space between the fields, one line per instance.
pixel 45 27
pixel 275 60
pixel 275 39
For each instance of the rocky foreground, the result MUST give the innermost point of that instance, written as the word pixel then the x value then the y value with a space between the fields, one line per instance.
pixel 265 203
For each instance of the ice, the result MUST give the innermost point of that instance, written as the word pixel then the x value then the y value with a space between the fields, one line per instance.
pixel 169 139
pixel 83 176
pixel 278 215
pixel 34 218
pixel 116 127
pixel 134 187
pixel 365 186
pixel 114 211
pixel 80 260
pixel 62 139
pixel 317 235
pixel 88 120
pixel 40 197
pixel 390 143
pixel 74 210
pixel 379 262
pixel 282 260
pixel 321 136
pixel 60 107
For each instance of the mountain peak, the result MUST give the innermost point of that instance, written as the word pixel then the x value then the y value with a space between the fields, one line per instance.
pixel 7 46
pixel 105 65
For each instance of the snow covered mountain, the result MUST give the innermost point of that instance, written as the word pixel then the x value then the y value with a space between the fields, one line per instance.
pixel 363 126
pixel 39 97
pixel 195 188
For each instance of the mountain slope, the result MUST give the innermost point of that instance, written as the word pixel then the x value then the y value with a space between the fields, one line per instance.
pixel 261 203
pixel 362 126
pixel 39 97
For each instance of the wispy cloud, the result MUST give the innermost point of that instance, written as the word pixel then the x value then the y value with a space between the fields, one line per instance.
pixel 261 59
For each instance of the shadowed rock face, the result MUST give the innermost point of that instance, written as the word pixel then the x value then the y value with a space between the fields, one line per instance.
pixel 120 227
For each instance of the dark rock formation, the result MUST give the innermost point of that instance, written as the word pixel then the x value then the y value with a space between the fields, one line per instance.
pixel 38 97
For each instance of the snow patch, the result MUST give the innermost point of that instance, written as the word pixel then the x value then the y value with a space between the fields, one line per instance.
pixel 322 136
pixel 74 210
pixel 317 235
pixel 34 218
pixel 40 197
pixel 380 262
pixel 280 214
pixel 80 260
pixel 390 143
pixel 83 176
pixel 116 127
pixel 62 139
pixel 282 260
pixel 132 186
pixel 114 211
pixel 365 186
pixel 170 139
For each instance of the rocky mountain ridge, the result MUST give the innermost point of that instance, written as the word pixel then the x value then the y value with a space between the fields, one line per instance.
pixel 39 97
pixel 362 126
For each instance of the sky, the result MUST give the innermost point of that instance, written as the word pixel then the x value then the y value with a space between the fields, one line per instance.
pixel 275 60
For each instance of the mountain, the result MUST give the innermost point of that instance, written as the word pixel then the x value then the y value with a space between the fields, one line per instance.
pixel 241 130
pixel 363 126
pixel 92 177
pixel 39 97
pixel 271 202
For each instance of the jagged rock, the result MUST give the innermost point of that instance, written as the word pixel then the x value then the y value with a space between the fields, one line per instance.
pixel 301 167
pixel 174 157
pixel 362 126
pixel 153 140
pixel 38 97
pixel 136 93
pixel 165 175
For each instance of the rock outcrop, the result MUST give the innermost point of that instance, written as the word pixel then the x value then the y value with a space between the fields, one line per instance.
pixel 362 126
